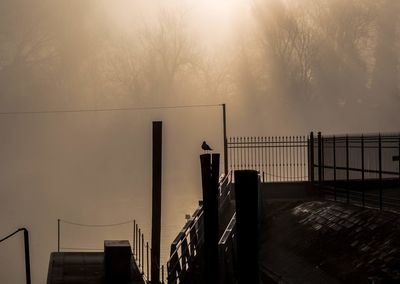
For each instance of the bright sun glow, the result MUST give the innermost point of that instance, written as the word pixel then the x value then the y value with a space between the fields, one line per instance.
pixel 212 15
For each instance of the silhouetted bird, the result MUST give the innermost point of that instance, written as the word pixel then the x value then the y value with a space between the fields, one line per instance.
pixel 205 146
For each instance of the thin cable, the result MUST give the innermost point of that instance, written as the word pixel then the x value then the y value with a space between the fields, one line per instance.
pixel 10 235
pixel 105 109
pixel 97 225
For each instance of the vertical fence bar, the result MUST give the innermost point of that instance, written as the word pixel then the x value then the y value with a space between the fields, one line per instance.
pixel 362 170
pixel 290 157
pixel 398 153
pixel 136 242
pixel 334 166
pixel 280 139
pixel 241 149
pixel 142 253
pixel 58 235
pixel 284 160
pixel 311 159
pixel 302 164
pixel 263 158
pixel 139 234
pixel 147 261
pixel 323 158
pixel 347 170
pixel 380 171
pixel 269 168
pixel 300 160
pixel 133 238
pixel 319 158
pixel 260 157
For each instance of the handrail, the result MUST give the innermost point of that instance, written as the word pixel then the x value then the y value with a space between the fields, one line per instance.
pixel 27 254
pixel 191 235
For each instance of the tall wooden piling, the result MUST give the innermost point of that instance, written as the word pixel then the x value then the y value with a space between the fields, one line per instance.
pixel 156 202
pixel 209 174
pixel 246 195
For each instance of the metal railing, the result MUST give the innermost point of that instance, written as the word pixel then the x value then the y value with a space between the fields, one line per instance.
pixel 276 158
pixel 141 250
pixel 187 246
pixel 26 249
pixel 227 249
pixel 358 169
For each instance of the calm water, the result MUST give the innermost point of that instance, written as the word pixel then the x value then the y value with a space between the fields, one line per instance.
pixel 94 168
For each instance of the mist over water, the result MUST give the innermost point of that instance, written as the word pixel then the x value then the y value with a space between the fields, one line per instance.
pixel 282 68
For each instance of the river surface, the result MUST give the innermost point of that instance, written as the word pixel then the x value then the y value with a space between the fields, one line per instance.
pixel 95 168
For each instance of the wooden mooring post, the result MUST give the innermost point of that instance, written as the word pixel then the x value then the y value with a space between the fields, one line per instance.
pixel 246 196
pixel 156 203
pixel 209 176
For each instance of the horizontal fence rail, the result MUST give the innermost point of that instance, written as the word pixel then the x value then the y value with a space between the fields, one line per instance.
pixel 358 169
pixel 276 158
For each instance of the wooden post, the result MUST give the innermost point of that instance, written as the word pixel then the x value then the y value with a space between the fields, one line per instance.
pixel 225 140
pixel 156 202
pixel 246 196
pixel 209 173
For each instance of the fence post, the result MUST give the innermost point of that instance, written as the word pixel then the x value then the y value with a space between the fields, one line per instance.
pixel 133 238
pixel 362 170
pixel 136 241
pixel 347 170
pixel 147 265
pixel 334 165
pixel 319 158
pixel 142 254
pixel 311 157
pixel 209 173
pixel 399 157
pixel 58 235
pixel 139 258
pixel 246 196
pixel 380 171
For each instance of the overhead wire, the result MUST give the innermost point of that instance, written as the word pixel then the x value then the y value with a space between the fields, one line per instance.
pixel 87 110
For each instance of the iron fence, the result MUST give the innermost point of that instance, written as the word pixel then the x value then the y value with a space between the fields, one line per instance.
pixel 358 169
pixel 276 158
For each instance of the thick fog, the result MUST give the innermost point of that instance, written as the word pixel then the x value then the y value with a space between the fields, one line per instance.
pixel 283 67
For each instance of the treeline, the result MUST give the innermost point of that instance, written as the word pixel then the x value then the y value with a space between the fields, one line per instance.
pixel 341 55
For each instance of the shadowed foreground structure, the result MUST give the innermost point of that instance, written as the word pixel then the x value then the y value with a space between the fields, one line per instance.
pixel 328 242
pixel 83 267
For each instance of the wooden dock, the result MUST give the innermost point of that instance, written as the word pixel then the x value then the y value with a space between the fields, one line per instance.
pixel 83 267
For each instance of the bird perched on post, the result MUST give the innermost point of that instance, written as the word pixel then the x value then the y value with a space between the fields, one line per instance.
pixel 205 146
